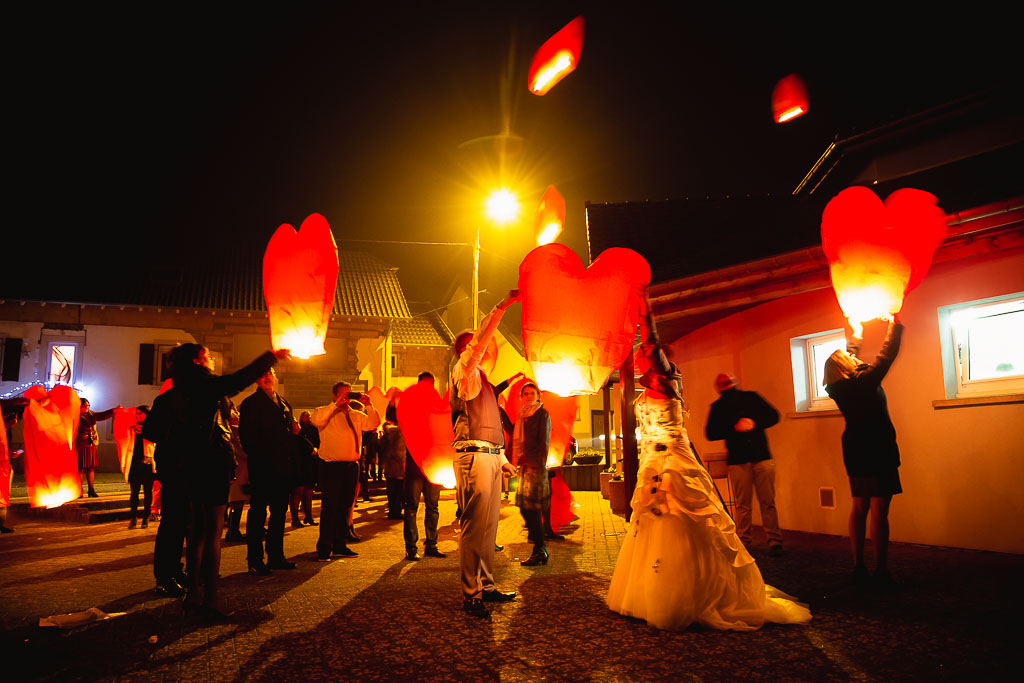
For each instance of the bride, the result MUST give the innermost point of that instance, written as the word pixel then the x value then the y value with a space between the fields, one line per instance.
pixel 682 560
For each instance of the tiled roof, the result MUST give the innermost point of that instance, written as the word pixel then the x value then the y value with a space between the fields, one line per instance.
pixel 422 330
pixel 368 287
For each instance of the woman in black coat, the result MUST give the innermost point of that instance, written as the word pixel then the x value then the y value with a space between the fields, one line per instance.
pixel 201 422
pixel 870 453
pixel 531 437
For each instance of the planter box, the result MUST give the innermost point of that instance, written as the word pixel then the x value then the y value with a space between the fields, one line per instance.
pixel 617 495
pixel 582 477
pixel 605 478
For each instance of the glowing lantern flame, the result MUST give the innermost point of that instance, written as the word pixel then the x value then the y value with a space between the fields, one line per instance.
pixel 300 275
pixel 578 324
pixel 51 462
pixel 426 423
pixel 789 99
pixel 557 57
pixel 550 216
pixel 878 252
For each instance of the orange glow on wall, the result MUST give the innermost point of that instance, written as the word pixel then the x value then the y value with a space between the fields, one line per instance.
pixel 789 99
pixel 578 323
pixel 300 275
pixel 878 252
pixel 550 216
pixel 426 423
pixel 557 57
pixel 51 462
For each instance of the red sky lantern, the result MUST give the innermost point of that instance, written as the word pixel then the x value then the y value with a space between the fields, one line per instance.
pixel 579 323
pixel 789 99
pixel 878 252
pixel 426 423
pixel 561 503
pixel 550 216
pixel 124 437
pixel 51 462
pixel 6 473
pixel 563 416
pixel 557 57
pixel 300 275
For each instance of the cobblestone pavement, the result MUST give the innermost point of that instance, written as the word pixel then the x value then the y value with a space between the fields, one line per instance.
pixel 379 617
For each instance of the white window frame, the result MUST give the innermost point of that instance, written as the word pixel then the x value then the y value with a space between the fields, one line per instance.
pixel 955 351
pixel 804 379
pixel 76 363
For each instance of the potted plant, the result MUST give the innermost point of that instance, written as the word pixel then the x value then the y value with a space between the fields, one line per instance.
pixel 606 476
pixel 617 494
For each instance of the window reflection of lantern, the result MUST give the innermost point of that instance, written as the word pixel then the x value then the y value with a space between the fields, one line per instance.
pixel 878 252
pixel 300 276
pixel 789 99
pixel 550 216
pixel 62 363
pixel 557 57
pixel 578 323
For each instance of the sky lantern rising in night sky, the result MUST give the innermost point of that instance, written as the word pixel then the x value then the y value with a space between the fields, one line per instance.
pixel 878 252
pixel 300 274
pixel 578 324
pixel 51 462
pixel 550 216
pixel 426 423
pixel 789 99
pixel 557 57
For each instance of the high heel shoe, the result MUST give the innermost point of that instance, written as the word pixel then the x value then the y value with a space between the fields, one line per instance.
pixel 260 569
pixel 539 556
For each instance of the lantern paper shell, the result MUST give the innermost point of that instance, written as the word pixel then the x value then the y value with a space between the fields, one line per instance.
pixel 878 252
pixel 557 57
pixel 426 423
pixel 6 473
pixel 51 463
pixel 550 216
pixel 789 99
pixel 563 415
pixel 561 502
pixel 300 275
pixel 124 437
pixel 578 324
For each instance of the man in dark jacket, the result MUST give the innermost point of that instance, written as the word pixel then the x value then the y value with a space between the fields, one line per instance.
pixel 740 417
pixel 270 439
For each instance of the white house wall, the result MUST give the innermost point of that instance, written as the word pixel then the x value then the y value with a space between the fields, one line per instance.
pixel 961 467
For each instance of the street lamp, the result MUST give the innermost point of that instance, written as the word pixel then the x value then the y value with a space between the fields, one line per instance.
pixel 501 207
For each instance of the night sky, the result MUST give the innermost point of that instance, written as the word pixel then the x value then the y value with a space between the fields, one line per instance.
pixel 140 137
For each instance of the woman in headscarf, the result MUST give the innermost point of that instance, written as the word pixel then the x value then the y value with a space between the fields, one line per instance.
pixel 531 436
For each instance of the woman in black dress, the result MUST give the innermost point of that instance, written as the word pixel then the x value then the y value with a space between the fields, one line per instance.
pixel 86 442
pixel 531 437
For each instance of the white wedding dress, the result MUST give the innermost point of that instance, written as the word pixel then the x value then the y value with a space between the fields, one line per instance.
pixel 682 560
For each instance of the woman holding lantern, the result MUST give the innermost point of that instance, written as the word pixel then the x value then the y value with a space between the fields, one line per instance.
pixel 682 560
pixel 870 453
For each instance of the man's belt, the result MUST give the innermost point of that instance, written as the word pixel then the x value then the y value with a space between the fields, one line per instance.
pixel 478 449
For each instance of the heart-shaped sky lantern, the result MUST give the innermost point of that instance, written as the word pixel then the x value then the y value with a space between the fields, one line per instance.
pixel 124 437
pixel 557 57
pixel 426 423
pixel 563 414
pixel 578 324
pixel 878 252
pixel 300 275
pixel 51 462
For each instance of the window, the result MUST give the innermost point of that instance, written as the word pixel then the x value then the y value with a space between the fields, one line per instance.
pixel 10 359
pixel 983 346
pixel 809 354
pixel 62 363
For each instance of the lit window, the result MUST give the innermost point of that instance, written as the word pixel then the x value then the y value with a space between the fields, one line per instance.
pixel 809 354
pixel 983 346
pixel 61 363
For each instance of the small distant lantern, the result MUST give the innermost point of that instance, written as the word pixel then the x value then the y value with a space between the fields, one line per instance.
pixel 789 99
pixel 300 276
pixel 579 323
pixel 51 462
pixel 550 216
pixel 557 57
pixel 877 252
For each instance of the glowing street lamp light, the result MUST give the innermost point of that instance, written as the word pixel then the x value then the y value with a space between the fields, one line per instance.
pixel 501 206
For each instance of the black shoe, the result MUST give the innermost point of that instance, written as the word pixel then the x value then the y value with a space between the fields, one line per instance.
pixel 883 581
pixel 259 569
pixel 235 537
pixel 171 589
pixel 434 552
pixel 776 551
pixel 498 548
pixel 413 556
pixel 550 535
pixel 311 522
pixel 297 523
pixel 93 494
pixel 282 564
pixel 323 558
pixel 539 556
pixel 344 550
pixel 132 524
pixel 475 607
pixel 496 595
pixel 860 576
pixel 214 614
pixel 6 529
pixel 351 535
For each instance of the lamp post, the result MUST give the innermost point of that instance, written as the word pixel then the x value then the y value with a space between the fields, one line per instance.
pixel 501 207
